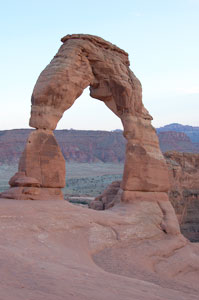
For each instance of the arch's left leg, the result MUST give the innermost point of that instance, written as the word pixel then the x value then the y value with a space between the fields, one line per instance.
pixel 41 171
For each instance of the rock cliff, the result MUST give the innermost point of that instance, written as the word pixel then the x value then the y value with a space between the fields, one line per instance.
pixel 184 191
pixel 176 141
pixel 183 194
pixel 191 131
pixel 88 145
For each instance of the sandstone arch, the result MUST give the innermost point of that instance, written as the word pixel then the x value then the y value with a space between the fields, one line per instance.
pixel 82 61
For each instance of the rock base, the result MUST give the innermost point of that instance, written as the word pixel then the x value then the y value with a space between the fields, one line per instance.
pixel 33 193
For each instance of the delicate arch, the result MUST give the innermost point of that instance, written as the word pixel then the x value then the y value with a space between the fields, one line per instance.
pixel 82 61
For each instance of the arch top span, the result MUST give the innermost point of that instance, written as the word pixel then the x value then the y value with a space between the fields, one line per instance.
pixel 85 60
pixel 98 41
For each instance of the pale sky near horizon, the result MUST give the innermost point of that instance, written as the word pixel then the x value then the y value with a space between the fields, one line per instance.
pixel 161 37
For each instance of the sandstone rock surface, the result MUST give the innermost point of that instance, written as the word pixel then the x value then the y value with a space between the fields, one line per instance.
pixel 62 252
pixel 82 61
pixel 108 198
pixel 184 192
pixel 58 251
pixel 41 169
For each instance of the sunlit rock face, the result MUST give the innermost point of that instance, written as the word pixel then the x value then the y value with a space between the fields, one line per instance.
pixel 41 171
pixel 82 61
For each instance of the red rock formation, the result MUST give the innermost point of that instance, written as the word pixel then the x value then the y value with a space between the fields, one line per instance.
pixel 62 251
pixel 177 141
pixel 88 145
pixel 184 191
pixel 108 198
pixel 76 145
pixel 41 169
pixel 85 60
pixel 183 194
pixel 53 248
pixel 91 146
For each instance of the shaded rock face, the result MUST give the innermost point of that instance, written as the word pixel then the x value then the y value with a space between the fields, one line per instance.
pixel 82 61
pixel 108 198
pixel 184 191
pixel 183 194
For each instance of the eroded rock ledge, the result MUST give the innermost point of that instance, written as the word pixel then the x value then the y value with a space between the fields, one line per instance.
pixel 183 193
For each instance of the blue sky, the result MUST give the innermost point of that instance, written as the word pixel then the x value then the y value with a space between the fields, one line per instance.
pixel 161 37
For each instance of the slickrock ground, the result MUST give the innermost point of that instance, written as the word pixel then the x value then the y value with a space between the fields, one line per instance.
pixel 54 250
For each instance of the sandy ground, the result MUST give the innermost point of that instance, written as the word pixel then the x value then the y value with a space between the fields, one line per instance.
pixel 57 251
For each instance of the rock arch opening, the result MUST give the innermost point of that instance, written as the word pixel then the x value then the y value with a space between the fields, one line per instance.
pixel 94 154
pixel 88 113
pixel 82 61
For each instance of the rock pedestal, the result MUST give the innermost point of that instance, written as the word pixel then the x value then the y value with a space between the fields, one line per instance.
pixel 41 172
pixel 82 61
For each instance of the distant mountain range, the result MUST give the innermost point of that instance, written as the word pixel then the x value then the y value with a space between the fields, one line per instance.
pixel 95 146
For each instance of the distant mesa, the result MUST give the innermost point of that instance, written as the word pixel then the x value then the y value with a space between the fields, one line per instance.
pixel 94 146
pixel 178 137
pixel 177 141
